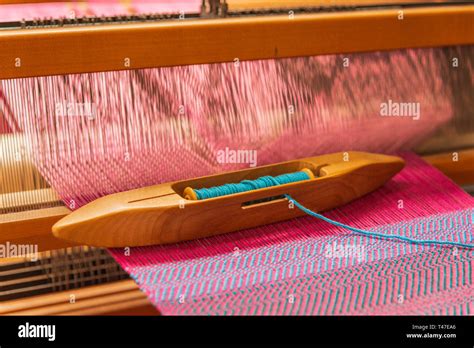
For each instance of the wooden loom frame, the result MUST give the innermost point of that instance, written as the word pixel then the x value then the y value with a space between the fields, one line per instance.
pixel 188 42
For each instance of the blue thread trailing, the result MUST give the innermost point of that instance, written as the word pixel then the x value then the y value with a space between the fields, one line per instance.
pixel 269 181
pixel 375 234
pixel 249 185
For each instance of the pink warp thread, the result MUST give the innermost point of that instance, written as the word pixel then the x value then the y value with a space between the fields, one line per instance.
pixel 150 126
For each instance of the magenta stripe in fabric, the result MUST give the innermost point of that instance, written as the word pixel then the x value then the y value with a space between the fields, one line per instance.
pixel 305 266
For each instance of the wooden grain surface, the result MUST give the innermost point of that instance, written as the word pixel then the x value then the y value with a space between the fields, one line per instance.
pixel 116 298
pixel 457 165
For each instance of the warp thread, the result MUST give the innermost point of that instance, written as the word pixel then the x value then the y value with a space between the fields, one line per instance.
pixel 269 181
pixel 145 119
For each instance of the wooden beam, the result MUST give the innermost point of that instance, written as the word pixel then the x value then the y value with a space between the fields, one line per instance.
pixel 83 49
pixel 236 5
pixel 33 227
pixel 457 165
pixel 117 298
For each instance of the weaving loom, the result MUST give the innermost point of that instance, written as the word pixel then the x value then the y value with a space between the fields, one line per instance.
pixel 141 93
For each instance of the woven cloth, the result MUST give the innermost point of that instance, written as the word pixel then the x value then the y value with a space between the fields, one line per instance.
pixel 306 266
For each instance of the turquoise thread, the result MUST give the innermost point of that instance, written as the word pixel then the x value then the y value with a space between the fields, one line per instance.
pixel 250 185
pixel 375 234
pixel 269 181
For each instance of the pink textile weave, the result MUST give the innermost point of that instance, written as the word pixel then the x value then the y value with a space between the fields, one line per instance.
pixel 306 266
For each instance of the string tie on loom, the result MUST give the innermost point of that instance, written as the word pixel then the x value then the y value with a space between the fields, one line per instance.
pixel 270 181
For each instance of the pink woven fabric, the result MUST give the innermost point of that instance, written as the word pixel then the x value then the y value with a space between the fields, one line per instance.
pixel 306 266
